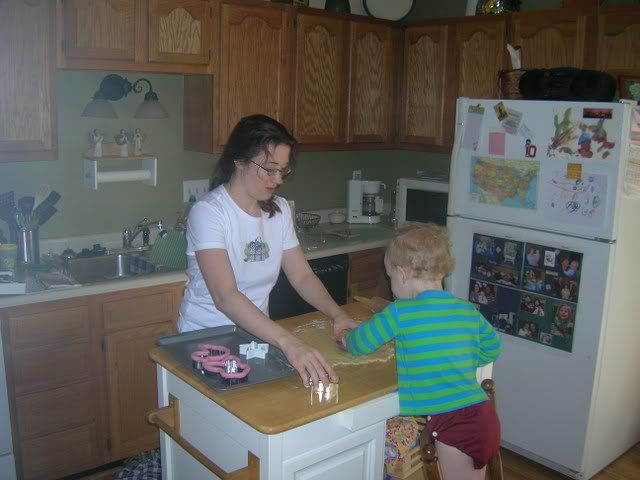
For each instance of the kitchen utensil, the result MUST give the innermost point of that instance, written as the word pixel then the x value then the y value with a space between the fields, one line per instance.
pixel 7 207
pixel 180 347
pixel 50 201
pixel 45 215
pixel 42 193
pixel 25 204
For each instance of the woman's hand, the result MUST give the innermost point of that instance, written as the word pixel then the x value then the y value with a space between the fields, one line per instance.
pixel 309 362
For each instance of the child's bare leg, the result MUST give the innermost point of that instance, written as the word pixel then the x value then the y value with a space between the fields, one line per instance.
pixel 457 465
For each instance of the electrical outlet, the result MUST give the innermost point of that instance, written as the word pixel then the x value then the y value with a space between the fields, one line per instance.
pixel 197 188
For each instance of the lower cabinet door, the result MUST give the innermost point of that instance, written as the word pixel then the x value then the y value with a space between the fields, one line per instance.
pixel 358 455
pixel 132 389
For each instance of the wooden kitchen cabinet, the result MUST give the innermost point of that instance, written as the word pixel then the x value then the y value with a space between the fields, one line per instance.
pixel 367 275
pixel 551 39
pixel 372 82
pixel 101 29
pixel 255 64
pixel 53 377
pixel 180 31
pixel 132 388
pixel 132 320
pixel 426 111
pixel 79 378
pixel 27 96
pixel 320 78
pixel 479 55
pixel 140 35
pixel 618 40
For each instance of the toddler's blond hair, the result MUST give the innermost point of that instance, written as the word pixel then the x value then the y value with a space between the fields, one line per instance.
pixel 423 248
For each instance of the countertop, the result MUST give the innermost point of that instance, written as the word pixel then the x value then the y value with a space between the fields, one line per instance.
pixel 319 242
pixel 280 405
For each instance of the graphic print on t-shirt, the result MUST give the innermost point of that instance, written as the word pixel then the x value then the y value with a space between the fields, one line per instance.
pixel 256 251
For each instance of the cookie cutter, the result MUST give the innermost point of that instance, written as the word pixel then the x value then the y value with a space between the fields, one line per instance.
pixel 198 357
pixel 254 349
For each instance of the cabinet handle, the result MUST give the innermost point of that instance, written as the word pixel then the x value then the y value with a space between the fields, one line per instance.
pixel 167 419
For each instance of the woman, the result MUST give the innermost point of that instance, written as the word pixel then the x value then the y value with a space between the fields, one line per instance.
pixel 239 236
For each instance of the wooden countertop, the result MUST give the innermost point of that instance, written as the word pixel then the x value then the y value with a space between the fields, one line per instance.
pixel 280 405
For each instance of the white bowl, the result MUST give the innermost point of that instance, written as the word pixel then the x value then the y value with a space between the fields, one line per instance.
pixel 337 217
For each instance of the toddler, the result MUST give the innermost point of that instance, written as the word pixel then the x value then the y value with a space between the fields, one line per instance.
pixel 440 341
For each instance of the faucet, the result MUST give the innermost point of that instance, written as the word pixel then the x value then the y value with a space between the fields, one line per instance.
pixel 128 236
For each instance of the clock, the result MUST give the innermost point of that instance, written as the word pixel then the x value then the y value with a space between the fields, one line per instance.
pixel 389 10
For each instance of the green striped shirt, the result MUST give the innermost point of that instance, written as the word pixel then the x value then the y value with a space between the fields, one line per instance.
pixel 440 341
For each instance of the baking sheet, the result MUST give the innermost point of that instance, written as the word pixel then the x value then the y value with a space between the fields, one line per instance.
pixel 274 365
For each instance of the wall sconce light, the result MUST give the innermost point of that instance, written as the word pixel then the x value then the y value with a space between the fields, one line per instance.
pixel 112 88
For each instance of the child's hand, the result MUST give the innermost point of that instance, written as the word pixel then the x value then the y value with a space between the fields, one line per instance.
pixel 342 324
pixel 342 341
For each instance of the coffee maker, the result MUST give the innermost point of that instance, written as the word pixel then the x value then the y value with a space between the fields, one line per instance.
pixel 364 201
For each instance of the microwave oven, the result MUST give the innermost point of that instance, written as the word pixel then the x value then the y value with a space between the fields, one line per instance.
pixel 422 200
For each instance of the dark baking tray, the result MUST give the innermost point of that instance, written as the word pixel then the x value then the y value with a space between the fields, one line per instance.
pixel 274 365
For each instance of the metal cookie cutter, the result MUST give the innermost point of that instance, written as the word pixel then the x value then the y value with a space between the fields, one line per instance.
pixel 198 357
pixel 216 352
pixel 234 369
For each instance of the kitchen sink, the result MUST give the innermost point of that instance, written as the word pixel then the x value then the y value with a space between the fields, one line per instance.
pixel 108 267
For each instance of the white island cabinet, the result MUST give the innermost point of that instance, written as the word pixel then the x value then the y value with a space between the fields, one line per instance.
pixel 278 429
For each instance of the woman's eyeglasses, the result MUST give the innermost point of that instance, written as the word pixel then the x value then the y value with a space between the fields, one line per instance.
pixel 272 172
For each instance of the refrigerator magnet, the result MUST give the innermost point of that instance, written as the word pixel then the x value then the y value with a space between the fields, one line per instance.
pixel 574 171
pixel 529 149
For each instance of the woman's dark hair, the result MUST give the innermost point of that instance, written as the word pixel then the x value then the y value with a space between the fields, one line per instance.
pixel 250 137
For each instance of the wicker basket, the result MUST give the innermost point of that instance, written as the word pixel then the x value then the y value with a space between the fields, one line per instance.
pixel 307 220
pixel 509 84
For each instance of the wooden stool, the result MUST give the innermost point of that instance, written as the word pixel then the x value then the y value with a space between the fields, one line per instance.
pixel 431 467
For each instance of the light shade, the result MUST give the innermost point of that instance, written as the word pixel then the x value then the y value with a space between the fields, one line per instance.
pixel 113 87
pixel 100 108
pixel 151 109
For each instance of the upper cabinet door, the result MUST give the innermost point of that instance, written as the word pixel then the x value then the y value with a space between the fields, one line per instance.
pixel 552 39
pixel 618 40
pixel 27 106
pixel 480 51
pixel 100 29
pixel 424 99
pixel 372 82
pixel 179 31
pixel 254 64
pixel 321 80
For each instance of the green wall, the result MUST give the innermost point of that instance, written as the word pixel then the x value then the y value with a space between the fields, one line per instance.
pixel 319 182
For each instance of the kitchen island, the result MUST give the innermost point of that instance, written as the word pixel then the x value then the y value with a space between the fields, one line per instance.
pixel 277 429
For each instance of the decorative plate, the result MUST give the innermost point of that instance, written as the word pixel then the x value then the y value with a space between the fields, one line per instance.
pixel 389 10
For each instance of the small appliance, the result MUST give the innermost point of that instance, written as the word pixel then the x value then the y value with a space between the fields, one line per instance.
pixel 364 202
pixel 422 200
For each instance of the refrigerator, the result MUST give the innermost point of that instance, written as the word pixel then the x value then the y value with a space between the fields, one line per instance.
pixel 544 218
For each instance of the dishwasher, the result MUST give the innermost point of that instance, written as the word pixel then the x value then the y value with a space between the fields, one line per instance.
pixel 332 271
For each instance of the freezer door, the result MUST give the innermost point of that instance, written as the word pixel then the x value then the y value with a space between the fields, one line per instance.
pixel 553 166
pixel 545 376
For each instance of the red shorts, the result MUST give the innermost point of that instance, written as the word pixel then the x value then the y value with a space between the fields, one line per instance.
pixel 474 430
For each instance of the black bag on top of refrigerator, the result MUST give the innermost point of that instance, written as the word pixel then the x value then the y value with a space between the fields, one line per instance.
pixel 572 84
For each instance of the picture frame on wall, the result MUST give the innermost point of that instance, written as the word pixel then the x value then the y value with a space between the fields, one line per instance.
pixel 629 87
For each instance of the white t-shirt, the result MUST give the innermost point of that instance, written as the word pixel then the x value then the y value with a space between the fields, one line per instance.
pixel 254 246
